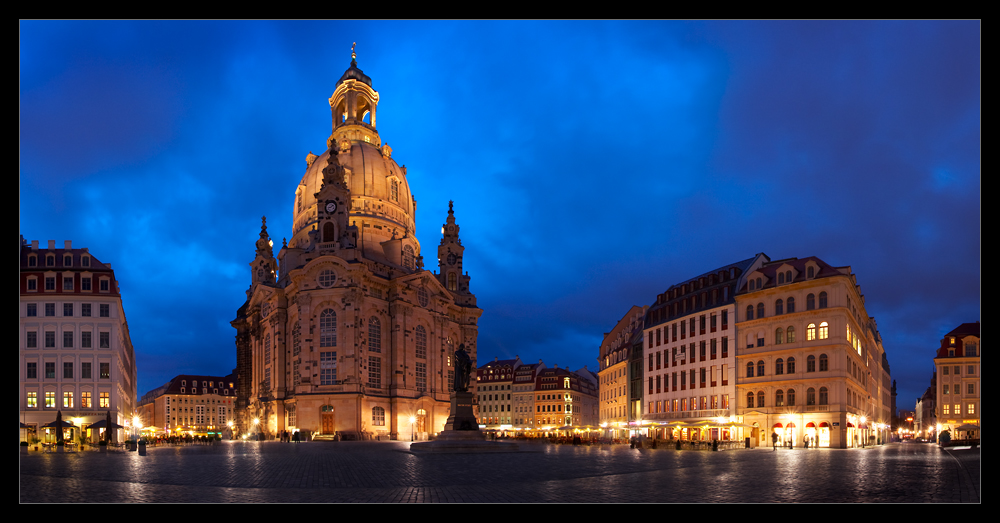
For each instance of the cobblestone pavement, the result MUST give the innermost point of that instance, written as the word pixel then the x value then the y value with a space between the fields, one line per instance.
pixel 385 472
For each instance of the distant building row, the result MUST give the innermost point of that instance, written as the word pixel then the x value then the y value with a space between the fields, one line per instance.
pixel 753 349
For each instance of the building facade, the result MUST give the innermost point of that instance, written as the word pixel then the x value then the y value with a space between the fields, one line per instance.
pixel 615 408
pixel 495 381
pixel 75 350
pixel 564 401
pixel 810 360
pixel 958 370
pixel 690 336
pixel 189 404
pixel 344 333
pixel 524 394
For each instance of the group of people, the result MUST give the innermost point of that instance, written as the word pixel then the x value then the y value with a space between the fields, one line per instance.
pixel 806 441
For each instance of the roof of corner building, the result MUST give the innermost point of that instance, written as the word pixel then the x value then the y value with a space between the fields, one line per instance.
pixel 498 363
pixel 95 264
pixel 742 265
pixel 770 270
pixel 966 329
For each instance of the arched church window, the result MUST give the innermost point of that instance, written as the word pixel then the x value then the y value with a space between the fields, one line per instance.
pixel 408 257
pixel 267 349
pixel 328 328
pixel 329 232
pixel 422 297
pixel 378 416
pixel 394 190
pixel 374 335
pixel 452 282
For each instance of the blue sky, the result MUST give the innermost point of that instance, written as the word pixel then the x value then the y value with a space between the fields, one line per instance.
pixel 592 164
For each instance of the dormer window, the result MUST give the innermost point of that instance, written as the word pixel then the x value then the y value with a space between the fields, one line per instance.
pixel 68 261
pixel 85 261
pixel 32 261
pixel 50 261
pixel 810 272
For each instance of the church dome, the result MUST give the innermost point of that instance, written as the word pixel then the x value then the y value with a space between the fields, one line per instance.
pixel 381 202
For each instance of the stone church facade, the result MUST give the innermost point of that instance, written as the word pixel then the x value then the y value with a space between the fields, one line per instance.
pixel 344 333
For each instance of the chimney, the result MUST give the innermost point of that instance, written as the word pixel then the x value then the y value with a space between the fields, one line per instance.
pixel 34 245
pixel 52 244
pixel 68 245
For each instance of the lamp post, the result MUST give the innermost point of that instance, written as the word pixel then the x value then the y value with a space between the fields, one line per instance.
pixel 256 426
pixel 413 419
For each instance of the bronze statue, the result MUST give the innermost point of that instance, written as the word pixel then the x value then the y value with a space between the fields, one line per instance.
pixel 463 368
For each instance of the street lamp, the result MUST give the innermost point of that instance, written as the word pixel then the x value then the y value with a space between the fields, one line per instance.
pixel 413 419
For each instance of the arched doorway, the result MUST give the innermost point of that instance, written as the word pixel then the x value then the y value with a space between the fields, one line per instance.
pixel 327 422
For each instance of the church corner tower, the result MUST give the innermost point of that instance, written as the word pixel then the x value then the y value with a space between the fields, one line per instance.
pixel 346 335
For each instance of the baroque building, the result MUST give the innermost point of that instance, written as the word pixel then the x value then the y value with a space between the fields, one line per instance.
pixel 344 333
pixel 958 369
pixel 75 350
pixel 189 404
pixel 810 361
pixel 619 402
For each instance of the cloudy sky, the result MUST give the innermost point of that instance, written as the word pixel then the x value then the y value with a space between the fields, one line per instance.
pixel 592 164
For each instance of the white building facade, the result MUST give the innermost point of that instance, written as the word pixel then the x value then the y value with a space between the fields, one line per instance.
pixel 76 356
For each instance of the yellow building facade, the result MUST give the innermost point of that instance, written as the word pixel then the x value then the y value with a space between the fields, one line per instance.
pixel 810 361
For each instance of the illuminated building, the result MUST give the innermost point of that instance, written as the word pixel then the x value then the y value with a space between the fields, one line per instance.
pixel 75 351
pixel 190 404
pixel 565 400
pixel 690 360
pixel 523 395
pixel 810 360
pixel 495 381
pixel 344 334
pixel 618 403
pixel 959 399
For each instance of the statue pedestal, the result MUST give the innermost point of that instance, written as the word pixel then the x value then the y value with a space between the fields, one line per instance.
pixel 461 433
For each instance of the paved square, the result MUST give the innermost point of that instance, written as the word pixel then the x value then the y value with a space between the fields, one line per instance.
pixel 385 472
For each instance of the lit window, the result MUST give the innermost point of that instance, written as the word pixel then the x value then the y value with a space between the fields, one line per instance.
pixel 105 399
pixel 50 400
pixel 378 416
pixel 824 331
pixel 32 400
pixel 811 332
pixel 67 400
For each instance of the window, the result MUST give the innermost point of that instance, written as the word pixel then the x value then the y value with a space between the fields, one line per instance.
pixel 760 398
pixel 790 303
pixel 267 349
pixel 105 285
pixel 749 312
pixel 85 339
pixel 32 261
pixel 811 363
pixel 779 398
pixel 32 309
pixel 85 310
pixel 68 260
pixel 68 309
pixel 810 302
pixel 810 396
pixel 67 400
pixel 85 261
pixel 779 367
pixel 374 335
pixel 68 284
pixel 85 370
pixel 327 278
pixel 760 310
pixel 791 397
pixel 31 371
pixel 85 284
pixel 105 310
pixel 50 284
pixel 375 372
pixel 970 408
pixel 68 339
pixel 749 400
pixel 105 340
pixel 810 272
pixel 408 258
pixel 779 336
pixel 791 365
pixel 50 261
pixel 760 368
pixel 31 339
pixel 105 399
pixel 750 369
pixel 779 307
pixel 823 396
pixel 327 368
pixel 421 342
pixel 68 370
pixel 32 400
pixel 971 390
pixel 822 300
pixel 811 332
pixel 421 375
pixel 32 284
pixel 50 309
pixel 50 400
pixel 105 371
pixel 824 363
pixel 824 330
pixel 50 339
pixel 946 388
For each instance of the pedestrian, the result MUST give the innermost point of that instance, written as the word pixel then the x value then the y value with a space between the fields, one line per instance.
pixel 774 441
pixel 805 441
